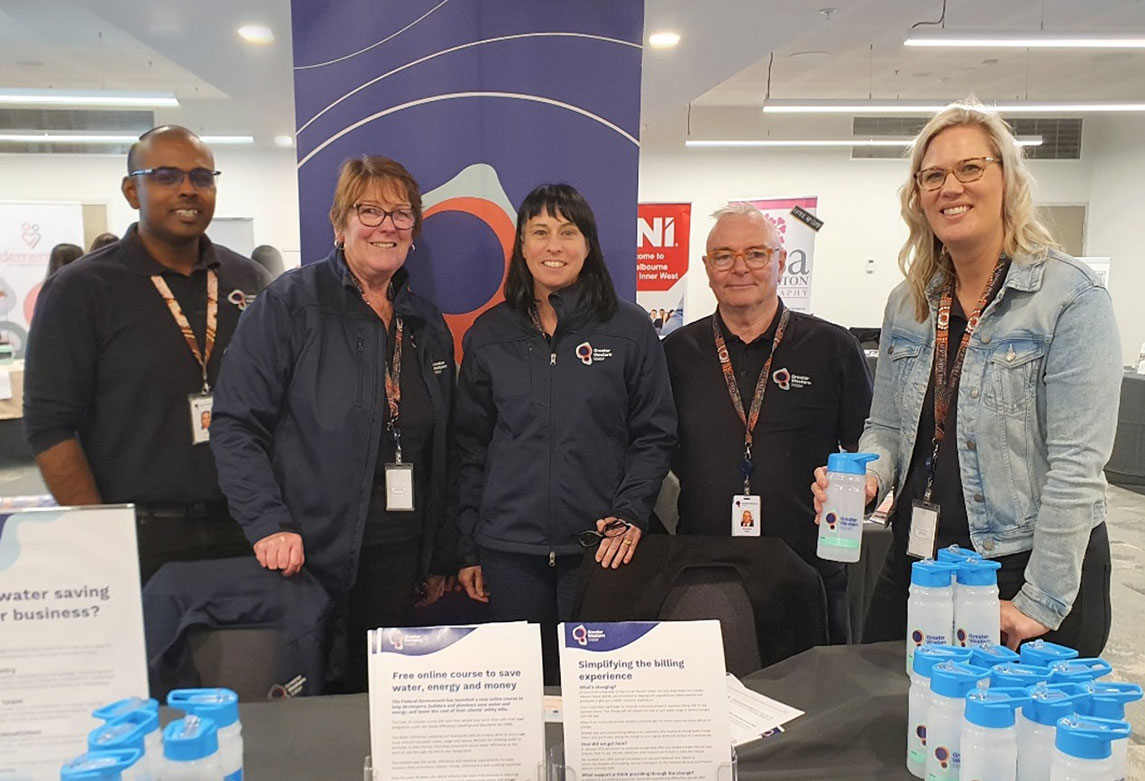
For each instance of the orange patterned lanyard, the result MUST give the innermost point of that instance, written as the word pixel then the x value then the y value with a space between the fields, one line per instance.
pixel 204 357
pixel 747 466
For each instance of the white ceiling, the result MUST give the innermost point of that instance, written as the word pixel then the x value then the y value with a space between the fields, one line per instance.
pixel 227 86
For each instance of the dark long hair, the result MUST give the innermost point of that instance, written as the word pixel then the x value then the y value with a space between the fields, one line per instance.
pixel 62 255
pixel 561 200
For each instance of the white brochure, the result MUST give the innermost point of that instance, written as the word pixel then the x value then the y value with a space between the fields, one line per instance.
pixel 71 631
pixel 645 700
pixel 753 715
pixel 456 702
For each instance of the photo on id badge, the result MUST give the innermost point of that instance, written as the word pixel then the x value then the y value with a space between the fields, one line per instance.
pixel 745 516
pixel 200 407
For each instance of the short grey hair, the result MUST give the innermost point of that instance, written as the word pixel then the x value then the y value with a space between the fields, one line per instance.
pixel 741 208
pixel 744 209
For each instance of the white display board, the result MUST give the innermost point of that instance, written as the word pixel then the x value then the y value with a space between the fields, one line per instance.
pixel 645 700
pixel 71 631
pixel 28 231
pixel 456 702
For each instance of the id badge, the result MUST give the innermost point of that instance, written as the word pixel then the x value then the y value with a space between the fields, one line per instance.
pixel 399 487
pixel 745 516
pixel 923 530
pixel 200 406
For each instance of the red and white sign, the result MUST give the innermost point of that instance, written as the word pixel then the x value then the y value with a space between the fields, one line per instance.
pixel 662 231
pixel 798 239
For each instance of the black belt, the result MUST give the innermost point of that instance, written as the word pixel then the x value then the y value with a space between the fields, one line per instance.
pixel 198 511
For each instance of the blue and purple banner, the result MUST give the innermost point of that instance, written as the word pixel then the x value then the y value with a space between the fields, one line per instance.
pixel 481 101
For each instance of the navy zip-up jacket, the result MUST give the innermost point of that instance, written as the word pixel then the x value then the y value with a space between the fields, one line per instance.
pixel 552 437
pixel 300 410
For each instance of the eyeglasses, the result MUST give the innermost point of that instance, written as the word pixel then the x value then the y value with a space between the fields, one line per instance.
pixel 965 171
pixel 373 216
pixel 591 537
pixel 754 258
pixel 167 176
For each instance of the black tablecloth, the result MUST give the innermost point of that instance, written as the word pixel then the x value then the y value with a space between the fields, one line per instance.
pixel 863 575
pixel 1126 465
pixel 854 726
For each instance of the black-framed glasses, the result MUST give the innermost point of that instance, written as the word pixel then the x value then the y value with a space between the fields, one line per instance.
pixel 965 171
pixel 754 257
pixel 590 537
pixel 169 176
pixel 373 216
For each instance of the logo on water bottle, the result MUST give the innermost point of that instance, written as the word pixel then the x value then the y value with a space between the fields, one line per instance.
pixel 917 637
pixel 960 636
pixel 832 521
pixel 942 754
pixel 920 730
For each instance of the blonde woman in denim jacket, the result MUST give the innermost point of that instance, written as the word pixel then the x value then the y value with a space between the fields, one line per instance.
pixel 1028 422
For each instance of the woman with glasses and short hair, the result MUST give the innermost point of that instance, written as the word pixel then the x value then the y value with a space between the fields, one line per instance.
pixel 330 416
pixel 564 421
pixel 995 394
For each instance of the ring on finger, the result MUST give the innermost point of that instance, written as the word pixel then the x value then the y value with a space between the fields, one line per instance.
pixel 626 542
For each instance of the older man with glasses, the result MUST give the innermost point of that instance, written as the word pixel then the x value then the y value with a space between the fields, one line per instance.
pixel 763 395
pixel 123 354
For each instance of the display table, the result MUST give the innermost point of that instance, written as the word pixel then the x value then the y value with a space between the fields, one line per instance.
pixel 854 727
pixel 1126 465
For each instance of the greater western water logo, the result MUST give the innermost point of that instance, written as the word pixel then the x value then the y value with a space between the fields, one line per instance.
pixel 917 637
pixel 832 520
pixel 960 637
pixel 470 226
pixel 584 352
pixel 920 730
pixel 942 754
pixel 580 634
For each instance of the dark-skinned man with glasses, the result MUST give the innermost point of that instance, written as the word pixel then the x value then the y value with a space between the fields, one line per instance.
pixel 124 352
pixel 763 394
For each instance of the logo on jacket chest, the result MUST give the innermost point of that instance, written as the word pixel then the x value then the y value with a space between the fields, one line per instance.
pixel 589 355
pixel 788 381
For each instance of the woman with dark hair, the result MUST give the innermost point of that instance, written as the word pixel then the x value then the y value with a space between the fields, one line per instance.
pixel 62 255
pixel 330 415
pixel 102 240
pixel 564 421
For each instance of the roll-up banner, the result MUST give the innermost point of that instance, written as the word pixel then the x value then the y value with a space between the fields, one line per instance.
pixel 794 220
pixel 482 102
pixel 662 231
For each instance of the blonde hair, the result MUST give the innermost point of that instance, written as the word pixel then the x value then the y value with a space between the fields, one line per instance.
pixel 923 255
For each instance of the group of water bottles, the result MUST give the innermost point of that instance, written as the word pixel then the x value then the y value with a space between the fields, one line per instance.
pixel 979 711
pixel 205 745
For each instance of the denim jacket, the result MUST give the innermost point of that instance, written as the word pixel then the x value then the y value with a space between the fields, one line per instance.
pixel 1037 412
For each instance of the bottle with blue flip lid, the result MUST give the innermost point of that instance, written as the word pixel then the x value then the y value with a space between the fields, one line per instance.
pixel 1107 701
pixel 123 764
pixel 950 682
pixel 136 729
pixel 1045 653
pixel 191 751
pixel 1079 670
pixel 930 608
pixel 841 523
pixel 989 736
pixel 1083 749
pixel 222 707
pixel 1018 674
pixel 1037 725
pixel 125 706
pixel 918 700
pixel 992 655
pixel 977 615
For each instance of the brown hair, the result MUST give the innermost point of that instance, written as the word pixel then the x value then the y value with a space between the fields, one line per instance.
pixel 359 174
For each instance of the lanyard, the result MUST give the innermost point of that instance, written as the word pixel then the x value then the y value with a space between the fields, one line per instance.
pixel 946 378
pixel 202 358
pixel 749 420
pixel 394 385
